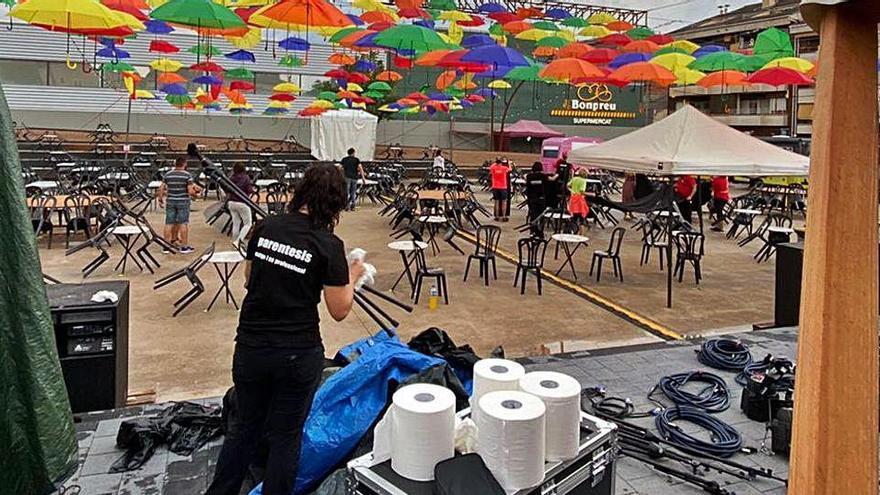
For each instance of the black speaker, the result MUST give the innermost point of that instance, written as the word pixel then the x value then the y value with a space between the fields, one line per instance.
pixel 92 342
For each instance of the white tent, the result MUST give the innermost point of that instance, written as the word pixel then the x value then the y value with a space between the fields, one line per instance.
pixel 689 142
pixel 334 132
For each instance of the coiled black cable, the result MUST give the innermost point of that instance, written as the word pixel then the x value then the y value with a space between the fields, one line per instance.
pixel 714 397
pixel 725 439
pixel 783 366
pixel 724 354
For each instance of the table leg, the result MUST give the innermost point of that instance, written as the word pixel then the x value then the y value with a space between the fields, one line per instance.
pixel 229 274
pixel 220 290
pixel 406 271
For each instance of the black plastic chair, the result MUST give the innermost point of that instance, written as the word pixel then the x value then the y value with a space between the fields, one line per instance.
pixel 97 241
pixel 190 272
pixel 689 249
pixel 612 253
pixel 772 239
pixel 531 259
pixel 423 271
pixel 77 209
pixel 41 216
pixel 487 245
pixel 653 237
pixel 151 237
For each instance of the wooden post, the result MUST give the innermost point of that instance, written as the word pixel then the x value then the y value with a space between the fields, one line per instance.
pixel 835 435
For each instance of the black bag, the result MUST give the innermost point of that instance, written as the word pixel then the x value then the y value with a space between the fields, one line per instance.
pixel 465 475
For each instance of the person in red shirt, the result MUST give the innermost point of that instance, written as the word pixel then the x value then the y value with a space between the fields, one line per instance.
pixel 499 172
pixel 720 198
pixel 685 187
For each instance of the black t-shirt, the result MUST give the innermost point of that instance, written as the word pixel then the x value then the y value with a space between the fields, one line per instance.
pixel 291 264
pixel 350 167
pixel 563 170
pixel 536 186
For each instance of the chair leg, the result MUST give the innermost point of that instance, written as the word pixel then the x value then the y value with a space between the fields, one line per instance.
pixel 417 288
pixel 516 275
pixel 467 268
pixel 540 284
pixel 619 268
pixel 494 269
pixel 445 289
pixel 614 267
pixel 592 264
pixel 525 275
pixel 698 275
pixel 646 251
pixel 599 272
pixel 484 264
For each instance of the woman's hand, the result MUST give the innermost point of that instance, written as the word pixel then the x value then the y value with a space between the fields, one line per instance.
pixel 355 271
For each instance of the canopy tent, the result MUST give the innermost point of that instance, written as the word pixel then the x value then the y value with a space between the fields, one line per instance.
pixel 334 132
pixel 688 142
pixel 531 128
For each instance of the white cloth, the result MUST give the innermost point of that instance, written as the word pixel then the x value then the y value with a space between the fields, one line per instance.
pixel 334 132
pixel 439 162
pixel 242 220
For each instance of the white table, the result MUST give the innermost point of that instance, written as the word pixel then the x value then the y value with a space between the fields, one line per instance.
pixel 265 182
pixel 266 153
pixel 665 213
pixel 367 182
pixel 128 236
pixel 746 211
pixel 594 181
pixel 406 250
pixel 519 181
pixel 44 184
pixel 148 153
pixel 445 182
pixel 115 176
pixel 278 165
pixel 65 165
pixel 88 169
pixel 566 240
pixel 780 230
pixel 230 261
pixel 557 216
pixel 141 164
pixel 294 175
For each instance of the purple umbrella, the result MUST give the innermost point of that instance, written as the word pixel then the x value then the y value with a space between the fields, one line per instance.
pixel 207 79
pixel 425 23
pixel 707 49
pixel 112 52
pixel 174 89
pixel 158 27
pixel 355 19
pixel 367 41
pixel 493 73
pixel 475 40
pixel 491 7
pixel 628 58
pixel 363 65
pixel 241 56
pixel 495 55
pixel 294 43
pixel 486 93
pixel 439 96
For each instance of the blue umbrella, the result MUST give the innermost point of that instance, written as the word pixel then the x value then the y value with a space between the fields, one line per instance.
pixel 707 49
pixel 174 89
pixel 294 43
pixel 439 96
pixel 425 23
pixel 404 52
pixel 112 52
pixel 475 40
pixel 495 55
pixel 396 106
pixel 107 41
pixel 157 27
pixel 364 65
pixel 466 103
pixel 491 7
pixel 486 93
pixel 628 58
pixel 557 13
pixel 367 41
pixel 207 79
pixel 241 56
pixel 493 73
pixel 355 19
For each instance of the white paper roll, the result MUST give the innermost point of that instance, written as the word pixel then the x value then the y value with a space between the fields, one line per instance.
pixel 510 435
pixel 422 430
pixel 492 375
pixel 561 395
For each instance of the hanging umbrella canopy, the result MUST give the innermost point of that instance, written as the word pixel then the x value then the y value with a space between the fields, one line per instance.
pixel 615 40
pixel 242 85
pixel 117 67
pixel 379 86
pixel 619 26
pixel 528 73
pixel 354 87
pixel 69 15
pixel 208 79
pixel 240 74
pixel 594 32
pixel 671 49
pixel 496 56
pixel 161 46
pixel 780 76
pixel 673 61
pixel 475 21
pixel 552 42
pixel 199 14
pixel 534 34
pixel 718 61
pixel 207 67
pixel 545 26
pixel 410 37
pixel 724 78
pixel 291 61
pixel 286 87
pixel 529 12
pixel 342 33
pixel 341 59
pixel 708 50
pixel 644 72
pixel 358 78
pixel 388 76
pixel 504 17
pixel 165 65
pixel 306 13
pixel 475 40
pixel 687 46
pixel 628 58
pixel 454 16
pixel 641 33
pixel 641 46
pixel 294 43
pixel 491 8
pixel 157 27
pixel 364 65
pixel 686 77
pixel 134 8
pixel 752 63
pixel 241 56
pixel 576 50
pixel 350 39
pixel 557 13
pixel 499 84
pixel 566 69
pixel 432 58
pixel 454 60
pixel 574 22
pixel 661 39
pixel 774 43
pixel 417 13
pixel 794 63
pixel 544 51
pixel 445 79
pixel 600 56
pixel 168 78
pixel 601 18
pixel 204 49
pixel 517 27
pixel 375 16
pixel 174 89
pixel 247 40
pixel 112 52
pixel 283 97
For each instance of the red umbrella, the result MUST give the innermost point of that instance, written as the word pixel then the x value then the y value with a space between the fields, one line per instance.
pixel 358 78
pixel 661 39
pixel 474 22
pixel 337 74
pixel 241 86
pixel 282 97
pixel 414 13
pixel 207 67
pixel 246 12
pixel 615 40
pixel 416 96
pixel 402 62
pixel 381 26
pixel 474 98
pixel 161 46
pixel 311 111
pixel 527 12
pixel 779 76
pixel 453 60
pixel 516 27
pixel 600 56
pixel 134 8
pixel 503 17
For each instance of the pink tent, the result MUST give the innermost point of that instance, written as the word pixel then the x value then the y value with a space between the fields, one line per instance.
pixel 533 128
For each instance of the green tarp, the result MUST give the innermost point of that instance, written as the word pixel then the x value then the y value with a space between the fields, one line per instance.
pixel 37 441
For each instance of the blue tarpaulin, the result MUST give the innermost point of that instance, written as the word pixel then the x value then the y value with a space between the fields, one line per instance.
pixel 350 401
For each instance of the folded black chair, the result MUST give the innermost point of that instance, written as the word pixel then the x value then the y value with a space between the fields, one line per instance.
pixel 97 241
pixel 190 272
pixel 151 237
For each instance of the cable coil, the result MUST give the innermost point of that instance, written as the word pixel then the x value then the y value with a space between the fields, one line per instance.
pixel 782 365
pixel 714 397
pixel 724 354
pixel 725 439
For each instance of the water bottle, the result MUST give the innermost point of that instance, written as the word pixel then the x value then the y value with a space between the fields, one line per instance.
pixel 434 298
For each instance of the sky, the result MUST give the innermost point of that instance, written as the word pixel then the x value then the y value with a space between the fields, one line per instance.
pixel 668 15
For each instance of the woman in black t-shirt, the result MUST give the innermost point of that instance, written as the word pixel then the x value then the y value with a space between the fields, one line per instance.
pixel 291 260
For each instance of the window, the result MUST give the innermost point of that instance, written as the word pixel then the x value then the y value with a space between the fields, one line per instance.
pixel 61 75
pixel 266 81
pixel 807 45
pixel 23 72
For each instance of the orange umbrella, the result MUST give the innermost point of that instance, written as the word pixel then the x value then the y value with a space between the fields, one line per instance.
pixel 445 79
pixel 464 85
pixel 619 26
pixel 374 16
pixel 644 72
pixel 724 78
pixel 170 78
pixel 407 102
pixel 353 38
pixel 566 69
pixel 641 46
pixel 341 59
pixel 311 13
pixel 544 51
pixel 516 27
pixel 432 58
pixel 388 76
pixel 576 50
pixel 311 111
pixel 347 95
pixel 526 12
pixel 133 8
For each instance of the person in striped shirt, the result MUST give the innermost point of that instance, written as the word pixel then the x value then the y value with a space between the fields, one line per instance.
pixel 175 195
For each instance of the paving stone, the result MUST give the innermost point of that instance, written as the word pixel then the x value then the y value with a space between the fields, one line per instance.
pixel 186 486
pixel 135 484
pixel 105 445
pixel 99 484
pixel 109 427
pixel 98 464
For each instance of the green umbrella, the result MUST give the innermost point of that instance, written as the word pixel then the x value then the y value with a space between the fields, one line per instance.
pixel 639 33
pixel 773 42
pixel 575 22
pixel 291 61
pixel 754 63
pixel 117 67
pixel 379 86
pixel 453 91
pixel 670 49
pixel 552 41
pixel 376 95
pixel 496 29
pixel 719 61
pixel 178 100
pixel 342 33
pixel 529 73
pixel 341 105
pixel 198 14
pixel 8 3
pixel 328 95
pixel 443 5
pixel 545 26
pixel 410 37
pixel 241 74
pixel 204 49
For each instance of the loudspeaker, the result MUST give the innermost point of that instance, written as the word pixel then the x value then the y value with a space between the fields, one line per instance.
pixel 92 342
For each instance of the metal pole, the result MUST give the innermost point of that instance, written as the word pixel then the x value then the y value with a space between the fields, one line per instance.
pixel 669 245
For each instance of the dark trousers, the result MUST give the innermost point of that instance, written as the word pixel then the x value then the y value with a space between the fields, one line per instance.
pixel 273 390
pixel 351 186
pixel 685 208
pixel 536 208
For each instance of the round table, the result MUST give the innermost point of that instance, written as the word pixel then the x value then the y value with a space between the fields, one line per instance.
pixel 265 182
pixel 44 184
pixel 445 182
pixel 367 182
pixel 566 240
pixel 230 261
pixel 128 236
pixel 780 230
pixel 747 211
pixel 115 176
pixel 557 216
pixel 407 254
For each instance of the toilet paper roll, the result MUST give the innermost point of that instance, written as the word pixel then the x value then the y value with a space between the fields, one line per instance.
pixel 492 375
pixel 510 438
pixel 422 430
pixel 561 395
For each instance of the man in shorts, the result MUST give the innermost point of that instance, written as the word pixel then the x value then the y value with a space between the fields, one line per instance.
pixel 499 173
pixel 175 195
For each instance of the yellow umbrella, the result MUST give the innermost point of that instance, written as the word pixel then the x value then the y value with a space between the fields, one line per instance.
pixel 157 3
pixel 594 32
pixel 143 94
pixel 247 3
pixel 249 40
pixel 686 77
pixel 70 15
pixel 454 15
pixel 370 5
pixel 354 88
pixel 534 34
pixel 601 18
pixel 239 106
pixel 673 61
pixel 455 33
pixel 166 65
pixel 286 87
pixel 279 104
pixel 322 104
pixel 793 63
pixel 499 84
pixel 447 38
pixel 688 46
pixel 386 108
pixel 566 35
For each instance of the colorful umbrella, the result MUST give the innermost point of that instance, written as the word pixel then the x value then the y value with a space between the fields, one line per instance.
pixel 491 7
pixel 167 78
pixel 496 56
pixel 615 40
pixel 358 78
pixel 708 50
pixel 410 37
pixel 165 65
pixel 504 17
pixel 374 16
pixel 671 49
pixel 641 33
pixel 286 87
pixel 673 61
pixel 794 63
pixel 724 78
pixel 134 8
pixel 600 56
pixel 158 27
pixel 529 73
pixel 475 40
pixel 117 67
pixel 247 41
pixel 552 42
pixel 454 15
pixel 204 49
pixel 533 34
pixel 594 32
pixel 174 89
pixel 389 76
pixel 601 18
pixel 161 46
pixel 379 86
pixel 628 58
pixel 544 51
pixel 207 67
pixel 199 14
pixel 619 26
pixel 285 97
pixel 241 56
pixel 207 79
pixel 576 50
pixel 242 86
pixel 517 27
pixel 780 76
pixel 294 43
pixel 342 33
pixel 499 84
pixel 686 77
pixel 752 63
pixel 529 12
pixel 70 16
pixel 574 22
pixel 557 13
pixel 291 61
pixel 718 61
pixel 774 43
pixel 341 59
pixel 545 26
pixel 661 39
pixel 566 69
pixel 687 46
pixel 641 46
pixel 239 74
pixel 644 72
pixel 364 65
pixel 307 13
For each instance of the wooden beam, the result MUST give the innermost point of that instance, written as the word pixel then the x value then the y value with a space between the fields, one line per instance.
pixel 835 447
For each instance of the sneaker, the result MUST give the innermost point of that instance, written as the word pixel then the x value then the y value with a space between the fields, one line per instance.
pixel 186 250
pixel 165 250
